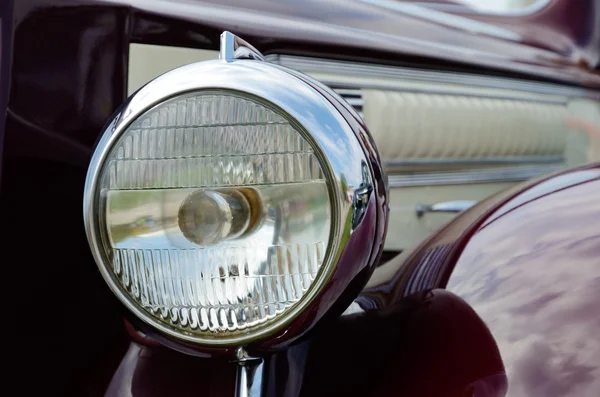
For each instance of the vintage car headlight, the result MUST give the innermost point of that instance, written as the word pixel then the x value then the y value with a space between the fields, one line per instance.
pixel 222 197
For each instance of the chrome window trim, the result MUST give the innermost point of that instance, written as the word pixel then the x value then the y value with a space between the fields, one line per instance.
pixel 475 161
pixel 438 91
pixel 321 65
pixel 490 175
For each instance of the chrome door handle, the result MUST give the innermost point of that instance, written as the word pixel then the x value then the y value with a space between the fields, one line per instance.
pixel 445 207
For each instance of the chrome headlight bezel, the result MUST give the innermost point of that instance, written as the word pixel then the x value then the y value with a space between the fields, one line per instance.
pixel 348 167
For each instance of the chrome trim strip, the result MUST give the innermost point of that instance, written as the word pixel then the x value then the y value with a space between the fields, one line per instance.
pixel 491 175
pixel 475 161
pixel 554 100
pixel 348 92
pixel 452 207
pixel 319 65
pixel 356 102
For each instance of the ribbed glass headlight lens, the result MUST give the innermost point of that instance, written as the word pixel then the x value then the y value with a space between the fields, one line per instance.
pixel 214 213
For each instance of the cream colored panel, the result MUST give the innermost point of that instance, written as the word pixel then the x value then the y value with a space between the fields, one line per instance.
pixel 149 61
pixel 584 126
pixel 424 115
pixel 406 229
pixel 409 126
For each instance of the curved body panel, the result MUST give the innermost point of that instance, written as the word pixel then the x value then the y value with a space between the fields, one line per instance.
pixel 531 271
pixel 159 371
pixel 429 344
pixel 528 262
pixel 395 27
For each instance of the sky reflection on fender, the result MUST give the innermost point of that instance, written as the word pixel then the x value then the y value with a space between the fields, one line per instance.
pixel 532 275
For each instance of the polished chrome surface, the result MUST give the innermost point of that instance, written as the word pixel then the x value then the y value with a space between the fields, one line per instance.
pixel 476 161
pixel 452 207
pixel 554 100
pixel 348 92
pixel 490 175
pixel 250 378
pixel 361 197
pixel 250 375
pixel 354 102
pixel 313 65
pixel 233 47
pixel 321 123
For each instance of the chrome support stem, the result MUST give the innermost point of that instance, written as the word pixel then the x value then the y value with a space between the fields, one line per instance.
pixel 250 374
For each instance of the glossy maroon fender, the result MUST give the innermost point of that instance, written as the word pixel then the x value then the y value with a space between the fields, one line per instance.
pixel 427 345
pixel 528 262
pixel 532 272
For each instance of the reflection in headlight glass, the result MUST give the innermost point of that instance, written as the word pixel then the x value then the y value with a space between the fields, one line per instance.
pixel 216 213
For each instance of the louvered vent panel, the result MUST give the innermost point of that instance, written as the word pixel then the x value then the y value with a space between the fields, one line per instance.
pixel 352 95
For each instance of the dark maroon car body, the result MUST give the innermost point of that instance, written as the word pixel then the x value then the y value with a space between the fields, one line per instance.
pixel 510 302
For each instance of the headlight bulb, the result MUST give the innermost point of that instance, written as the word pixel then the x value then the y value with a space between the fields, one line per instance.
pixel 207 217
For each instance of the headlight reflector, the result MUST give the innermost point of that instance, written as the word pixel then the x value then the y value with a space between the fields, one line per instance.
pixel 216 211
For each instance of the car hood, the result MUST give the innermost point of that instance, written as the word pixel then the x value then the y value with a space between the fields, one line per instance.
pixel 557 41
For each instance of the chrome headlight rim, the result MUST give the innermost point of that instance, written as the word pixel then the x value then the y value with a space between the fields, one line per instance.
pixel 243 77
